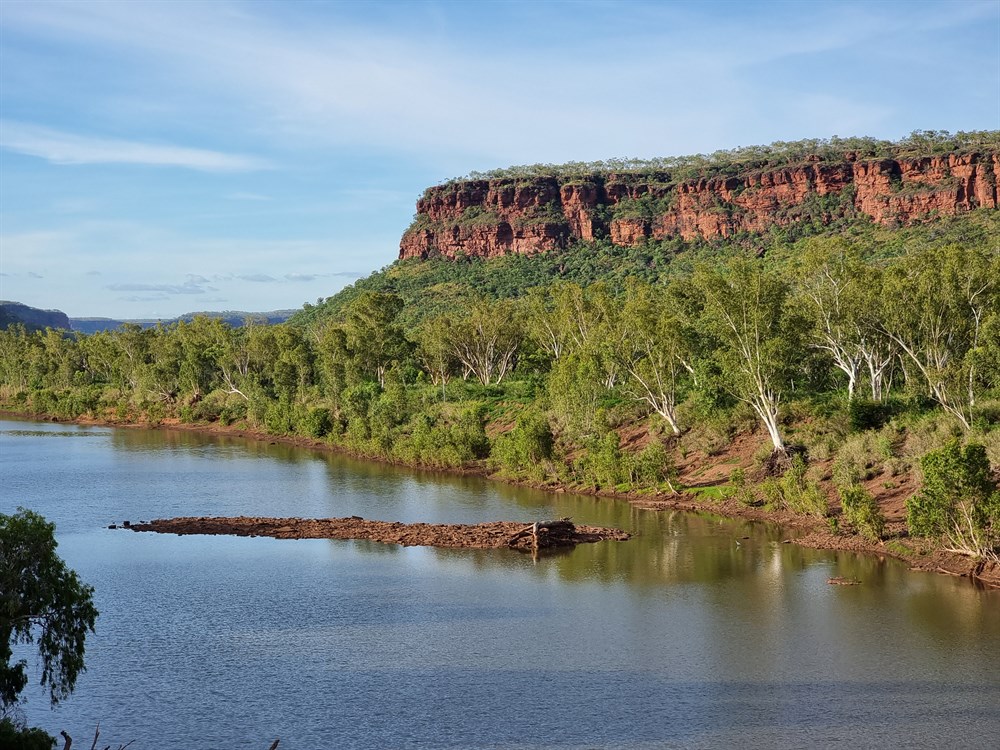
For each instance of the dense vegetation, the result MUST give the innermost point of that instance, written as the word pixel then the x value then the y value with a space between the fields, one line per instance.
pixel 433 286
pixel 748 158
pixel 857 355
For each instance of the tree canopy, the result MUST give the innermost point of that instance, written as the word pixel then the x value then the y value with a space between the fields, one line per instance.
pixel 42 602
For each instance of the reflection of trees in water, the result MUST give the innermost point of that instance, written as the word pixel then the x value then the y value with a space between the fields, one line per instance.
pixel 222 447
pixel 668 548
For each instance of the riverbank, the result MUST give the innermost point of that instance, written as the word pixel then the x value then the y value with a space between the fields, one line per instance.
pixel 493 535
pixel 701 475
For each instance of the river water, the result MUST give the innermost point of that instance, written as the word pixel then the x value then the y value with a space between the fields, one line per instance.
pixel 699 632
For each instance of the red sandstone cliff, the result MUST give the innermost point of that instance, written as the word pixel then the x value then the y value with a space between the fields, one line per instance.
pixel 487 218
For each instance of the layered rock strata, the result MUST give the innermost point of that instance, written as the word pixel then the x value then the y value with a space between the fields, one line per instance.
pixel 489 218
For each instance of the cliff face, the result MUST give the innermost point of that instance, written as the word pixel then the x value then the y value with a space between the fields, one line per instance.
pixel 31 318
pixel 487 218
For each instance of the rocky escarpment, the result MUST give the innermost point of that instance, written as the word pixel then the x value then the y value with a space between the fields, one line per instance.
pixel 31 318
pixel 492 217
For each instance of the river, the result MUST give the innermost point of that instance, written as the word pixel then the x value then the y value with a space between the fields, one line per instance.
pixel 698 632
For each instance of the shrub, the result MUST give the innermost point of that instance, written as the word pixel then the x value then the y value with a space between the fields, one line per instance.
pixel 525 446
pixel 315 422
pixel 857 460
pixel 772 495
pixel 602 465
pixel 233 411
pixel 871 415
pixel 653 466
pixel 863 512
pixel 795 491
pixel 743 492
pixel 279 418
pixel 959 501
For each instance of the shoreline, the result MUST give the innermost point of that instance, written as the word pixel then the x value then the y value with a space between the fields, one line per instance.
pixel 815 532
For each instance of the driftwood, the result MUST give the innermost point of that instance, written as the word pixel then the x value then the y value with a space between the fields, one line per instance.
pixel 68 741
pixel 492 535
pixel 547 533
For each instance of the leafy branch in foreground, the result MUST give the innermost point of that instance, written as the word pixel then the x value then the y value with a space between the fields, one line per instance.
pixel 41 602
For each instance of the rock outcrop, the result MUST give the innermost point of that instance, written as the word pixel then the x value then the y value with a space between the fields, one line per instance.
pixel 32 318
pixel 488 218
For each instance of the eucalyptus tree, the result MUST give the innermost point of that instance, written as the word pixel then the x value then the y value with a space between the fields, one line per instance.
pixel 939 301
pixel 160 376
pixel 132 343
pixel 544 321
pixel 15 367
pixel 373 337
pixel 486 337
pixel 200 342
pixel 841 294
pixel 747 308
pixel 330 344
pixel 435 350
pixel 655 350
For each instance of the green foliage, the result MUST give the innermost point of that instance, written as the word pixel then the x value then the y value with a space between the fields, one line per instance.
pixel 871 415
pixel 746 158
pixel 742 491
pixel 795 491
pixel 316 422
pixel 801 494
pixel 441 442
pixel 857 460
pixel 652 466
pixel 526 446
pixel 601 466
pixel 41 602
pixel 577 393
pixel 15 737
pixel 862 511
pixel 959 500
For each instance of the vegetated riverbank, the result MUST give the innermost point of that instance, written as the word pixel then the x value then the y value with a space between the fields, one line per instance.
pixel 702 487
pixel 492 535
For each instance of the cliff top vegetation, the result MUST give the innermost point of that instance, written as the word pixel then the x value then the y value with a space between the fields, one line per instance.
pixel 750 158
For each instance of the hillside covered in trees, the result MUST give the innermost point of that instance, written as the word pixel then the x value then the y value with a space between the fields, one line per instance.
pixel 844 372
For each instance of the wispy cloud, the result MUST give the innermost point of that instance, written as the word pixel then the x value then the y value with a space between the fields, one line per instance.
pixel 186 288
pixel 436 84
pixel 60 147
pixel 260 278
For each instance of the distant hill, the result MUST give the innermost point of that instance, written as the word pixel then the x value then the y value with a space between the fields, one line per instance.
pixel 33 318
pixel 234 318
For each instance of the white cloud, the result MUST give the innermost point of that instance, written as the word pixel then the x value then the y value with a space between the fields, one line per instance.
pixel 68 148
pixel 418 82
pixel 186 288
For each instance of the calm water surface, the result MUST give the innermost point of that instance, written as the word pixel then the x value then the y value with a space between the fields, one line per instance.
pixel 688 635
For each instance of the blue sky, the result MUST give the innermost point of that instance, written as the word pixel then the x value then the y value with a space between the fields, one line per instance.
pixel 163 157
